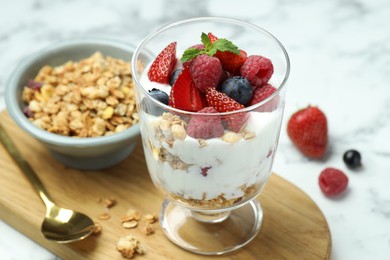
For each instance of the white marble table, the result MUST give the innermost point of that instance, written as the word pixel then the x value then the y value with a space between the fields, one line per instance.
pixel 340 54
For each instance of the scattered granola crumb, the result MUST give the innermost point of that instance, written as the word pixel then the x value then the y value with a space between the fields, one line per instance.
pixel 147 229
pixel 128 246
pixel 97 229
pixel 104 216
pixel 130 224
pixel 131 214
pixel 151 218
pixel 109 202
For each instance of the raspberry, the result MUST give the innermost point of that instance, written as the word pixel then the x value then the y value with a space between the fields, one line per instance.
pixel 205 127
pixel 257 69
pixel 206 72
pixel 332 181
pixel 259 94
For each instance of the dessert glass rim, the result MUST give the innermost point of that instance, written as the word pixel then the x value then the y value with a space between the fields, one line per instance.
pixel 212 19
pixel 55 48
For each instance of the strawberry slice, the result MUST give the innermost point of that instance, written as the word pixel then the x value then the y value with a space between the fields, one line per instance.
pixel 163 65
pixel 223 103
pixel 184 95
pixel 230 61
pixel 212 37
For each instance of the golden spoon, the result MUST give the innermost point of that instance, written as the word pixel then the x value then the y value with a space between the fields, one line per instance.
pixel 60 225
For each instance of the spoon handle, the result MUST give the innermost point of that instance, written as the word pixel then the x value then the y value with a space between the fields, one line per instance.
pixel 24 166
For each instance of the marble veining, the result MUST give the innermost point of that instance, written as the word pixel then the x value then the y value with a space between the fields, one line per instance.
pixel 340 57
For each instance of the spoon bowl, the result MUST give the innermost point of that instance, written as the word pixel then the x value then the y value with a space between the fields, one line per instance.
pixel 60 225
pixel 64 225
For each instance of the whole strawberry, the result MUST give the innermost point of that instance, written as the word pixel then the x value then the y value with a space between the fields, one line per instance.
pixel 206 72
pixel 308 130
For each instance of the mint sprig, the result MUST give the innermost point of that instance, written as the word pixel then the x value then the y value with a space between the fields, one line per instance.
pixel 210 48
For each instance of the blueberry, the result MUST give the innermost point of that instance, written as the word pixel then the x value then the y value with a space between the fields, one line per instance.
pixel 174 76
pixel 352 158
pixel 152 108
pixel 238 88
pixel 159 95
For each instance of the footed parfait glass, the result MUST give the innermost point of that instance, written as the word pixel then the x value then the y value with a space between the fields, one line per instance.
pixel 210 184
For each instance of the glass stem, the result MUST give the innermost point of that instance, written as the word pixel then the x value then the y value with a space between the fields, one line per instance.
pixel 208 217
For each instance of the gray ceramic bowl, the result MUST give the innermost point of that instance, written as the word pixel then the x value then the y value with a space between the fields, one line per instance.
pixel 90 153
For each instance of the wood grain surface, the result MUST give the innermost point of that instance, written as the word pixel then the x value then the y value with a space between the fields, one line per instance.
pixel 293 225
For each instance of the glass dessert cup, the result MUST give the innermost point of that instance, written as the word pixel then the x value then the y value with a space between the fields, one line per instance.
pixel 210 185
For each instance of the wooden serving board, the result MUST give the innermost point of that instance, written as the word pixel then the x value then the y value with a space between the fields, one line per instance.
pixel 293 225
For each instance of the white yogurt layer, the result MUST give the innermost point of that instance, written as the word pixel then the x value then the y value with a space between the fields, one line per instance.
pixel 231 167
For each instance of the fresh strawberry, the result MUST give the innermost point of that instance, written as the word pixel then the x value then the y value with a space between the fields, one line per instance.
pixel 212 37
pixel 308 130
pixel 206 72
pixel 222 103
pixel 205 127
pixel 184 95
pixel 230 61
pixel 163 65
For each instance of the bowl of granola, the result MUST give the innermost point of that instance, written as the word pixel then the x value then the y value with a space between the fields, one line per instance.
pixel 77 98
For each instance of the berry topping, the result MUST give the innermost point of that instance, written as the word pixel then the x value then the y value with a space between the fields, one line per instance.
pixel 238 88
pixel 212 37
pixel 259 94
pixel 159 95
pixel 205 127
pixel 262 93
pixel 308 130
pixel 332 181
pixel 222 103
pixel 152 108
pixel 206 72
pixel 230 61
pixel 257 69
pixel 184 95
pixel 352 158
pixel 163 65
pixel 174 76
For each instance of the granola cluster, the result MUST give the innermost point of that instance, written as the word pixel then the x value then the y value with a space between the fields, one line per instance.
pixel 129 245
pixel 92 97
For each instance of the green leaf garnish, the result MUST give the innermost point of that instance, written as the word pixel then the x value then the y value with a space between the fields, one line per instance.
pixel 226 45
pixel 189 54
pixel 210 48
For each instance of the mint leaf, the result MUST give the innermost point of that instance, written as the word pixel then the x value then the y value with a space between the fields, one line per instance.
pixel 189 54
pixel 205 40
pixel 226 45
pixel 210 48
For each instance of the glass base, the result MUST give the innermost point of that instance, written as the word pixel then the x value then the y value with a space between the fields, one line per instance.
pixel 211 233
